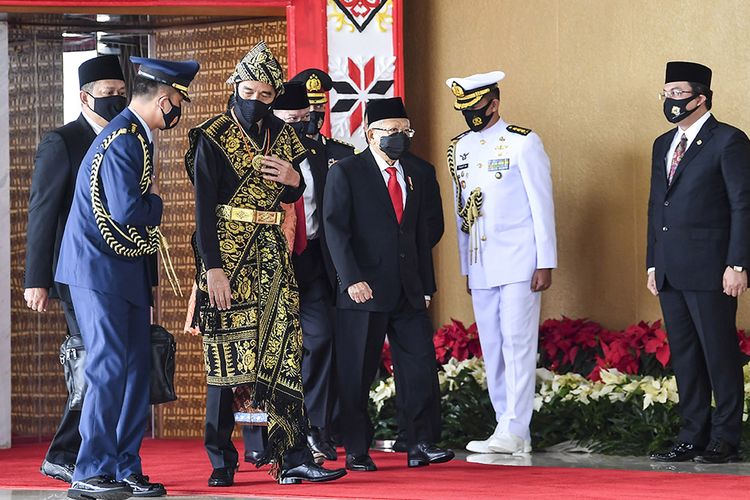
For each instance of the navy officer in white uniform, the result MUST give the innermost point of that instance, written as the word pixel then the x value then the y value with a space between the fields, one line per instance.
pixel 507 248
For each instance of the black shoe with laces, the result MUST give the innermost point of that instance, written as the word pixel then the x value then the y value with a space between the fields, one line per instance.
pixel 718 451
pixel 680 452
pixel 62 472
pixel 99 488
pixel 143 488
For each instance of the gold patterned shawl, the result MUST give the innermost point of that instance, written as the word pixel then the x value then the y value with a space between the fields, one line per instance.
pixel 258 341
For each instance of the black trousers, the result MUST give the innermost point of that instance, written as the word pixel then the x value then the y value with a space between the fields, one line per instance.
pixel 702 333
pixel 255 438
pixel 67 440
pixel 317 342
pixel 219 428
pixel 359 342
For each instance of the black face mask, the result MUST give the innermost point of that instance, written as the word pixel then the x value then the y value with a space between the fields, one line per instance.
pixel 395 145
pixel 317 118
pixel 675 110
pixel 477 119
pixel 171 118
pixel 251 111
pixel 299 127
pixel 108 107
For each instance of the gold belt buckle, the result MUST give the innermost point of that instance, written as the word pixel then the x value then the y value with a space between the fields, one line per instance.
pixel 243 214
pixel 265 217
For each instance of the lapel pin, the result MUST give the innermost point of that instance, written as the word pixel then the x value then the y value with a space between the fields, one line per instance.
pixel 411 186
pixel 699 142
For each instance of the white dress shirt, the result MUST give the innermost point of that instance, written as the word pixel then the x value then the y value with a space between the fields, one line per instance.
pixel 690 133
pixel 308 196
pixel 96 128
pixel 399 174
pixel 149 135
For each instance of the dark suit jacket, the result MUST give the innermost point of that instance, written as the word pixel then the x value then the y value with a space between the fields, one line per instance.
pixel 433 200
pixel 701 223
pixel 365 239
pixel 310 264
pixel 58 157
pixel 86 260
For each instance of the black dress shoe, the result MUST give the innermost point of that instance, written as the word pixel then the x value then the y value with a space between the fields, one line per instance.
pixel 680 452
pixel 321 446
pixel 718 452
pixel 252 456
pixel 426 453
pixel 222 477
pixel 399 445
pixel 360 463
pixel 62 472
pixel 99 487
pixel 310 472
pixel 143 488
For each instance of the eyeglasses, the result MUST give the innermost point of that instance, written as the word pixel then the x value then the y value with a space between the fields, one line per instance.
pixel 409 132
pixel 675 94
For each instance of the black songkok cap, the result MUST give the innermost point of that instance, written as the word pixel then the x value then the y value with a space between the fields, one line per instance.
pixel 293 98
pixel 99 68
pixel 681 71
pixel 382 109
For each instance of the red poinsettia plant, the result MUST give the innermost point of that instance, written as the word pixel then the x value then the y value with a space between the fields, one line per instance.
pixel 584 346
pixel 453 340
pixel 574 345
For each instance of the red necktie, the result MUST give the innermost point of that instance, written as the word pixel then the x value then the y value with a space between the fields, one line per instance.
pixel 394 190
pixel 300 229
pixel 679 152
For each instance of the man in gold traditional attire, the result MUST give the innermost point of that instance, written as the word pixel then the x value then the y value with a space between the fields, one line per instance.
pixel 244 163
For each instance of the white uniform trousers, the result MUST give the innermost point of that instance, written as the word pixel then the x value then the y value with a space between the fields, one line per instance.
pixel 507 317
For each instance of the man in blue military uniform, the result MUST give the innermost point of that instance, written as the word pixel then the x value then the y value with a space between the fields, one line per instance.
pixel 105 259
pixel 55 169
pixel 318 83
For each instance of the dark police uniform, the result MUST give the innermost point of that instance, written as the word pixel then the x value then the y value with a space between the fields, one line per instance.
pixel 110 236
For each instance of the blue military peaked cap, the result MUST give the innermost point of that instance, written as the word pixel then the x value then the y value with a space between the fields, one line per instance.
pixel 177 74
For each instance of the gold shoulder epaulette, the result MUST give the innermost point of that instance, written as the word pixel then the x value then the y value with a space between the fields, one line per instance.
pixel 518 130
pixel 343 143
pixel 460 135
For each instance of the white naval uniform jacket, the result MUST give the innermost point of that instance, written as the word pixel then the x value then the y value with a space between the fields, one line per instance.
pixel 516 228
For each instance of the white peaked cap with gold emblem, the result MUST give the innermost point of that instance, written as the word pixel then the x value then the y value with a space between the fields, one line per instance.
pixel 471 89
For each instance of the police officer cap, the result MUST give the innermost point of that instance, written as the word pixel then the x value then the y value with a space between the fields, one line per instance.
pixel 470 90
pixel 682 71
pixel 177 74
pixel 99 68
pixel 293 98
pixel 383 109
pixel 317 82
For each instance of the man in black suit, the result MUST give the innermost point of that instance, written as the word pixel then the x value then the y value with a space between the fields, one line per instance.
pixel 698 252
pixel 375 222
pixel 317 83
pixel 58 157
pixel 316 280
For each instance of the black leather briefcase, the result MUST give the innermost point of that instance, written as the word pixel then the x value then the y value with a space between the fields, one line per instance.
pixel 73 359
pixel 163 350
pixel 161 384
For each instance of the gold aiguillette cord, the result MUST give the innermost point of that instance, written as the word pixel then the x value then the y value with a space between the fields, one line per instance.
pixel 168 266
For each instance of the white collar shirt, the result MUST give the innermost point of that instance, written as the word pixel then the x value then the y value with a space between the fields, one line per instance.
pixel 690 133
pixel 149 135
pixel 96 128
pixel 308 197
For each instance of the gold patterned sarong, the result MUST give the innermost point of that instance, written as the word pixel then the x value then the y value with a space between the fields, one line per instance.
pixel 258 341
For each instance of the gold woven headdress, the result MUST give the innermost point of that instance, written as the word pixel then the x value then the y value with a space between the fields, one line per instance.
pixel 259 65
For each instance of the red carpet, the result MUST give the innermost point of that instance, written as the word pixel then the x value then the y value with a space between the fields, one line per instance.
pixel 183 467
